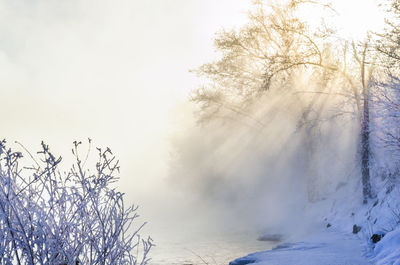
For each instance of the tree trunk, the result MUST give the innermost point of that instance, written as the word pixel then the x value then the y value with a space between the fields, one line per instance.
pixel 365 150
pixel 365 127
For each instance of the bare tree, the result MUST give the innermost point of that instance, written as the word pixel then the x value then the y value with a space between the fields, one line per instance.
pixel 388 43
pixel 267 52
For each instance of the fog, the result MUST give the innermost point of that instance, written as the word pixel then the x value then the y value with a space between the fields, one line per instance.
pixel 266 171
pixel 117 72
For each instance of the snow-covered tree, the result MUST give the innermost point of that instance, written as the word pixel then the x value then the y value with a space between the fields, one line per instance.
pixel 387 95
pixel 76 217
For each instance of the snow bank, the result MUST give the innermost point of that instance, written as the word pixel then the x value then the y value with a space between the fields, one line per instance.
pixel 387 251
pixel 325 248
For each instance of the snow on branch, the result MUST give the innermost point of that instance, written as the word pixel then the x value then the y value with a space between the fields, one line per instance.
pixel 77 217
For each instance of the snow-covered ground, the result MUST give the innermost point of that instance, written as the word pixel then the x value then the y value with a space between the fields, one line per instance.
pixel 330 248
pixel 327 247
pixel 335 244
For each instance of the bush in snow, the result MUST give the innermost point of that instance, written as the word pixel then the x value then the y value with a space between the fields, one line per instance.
pixel 75 217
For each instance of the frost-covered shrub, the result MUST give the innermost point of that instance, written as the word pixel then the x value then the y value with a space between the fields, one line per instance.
pixel 75 217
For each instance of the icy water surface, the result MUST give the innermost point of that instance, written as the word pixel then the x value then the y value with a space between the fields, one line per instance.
pixel 196 248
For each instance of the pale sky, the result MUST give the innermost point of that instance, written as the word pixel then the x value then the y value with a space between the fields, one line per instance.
pixel 109 70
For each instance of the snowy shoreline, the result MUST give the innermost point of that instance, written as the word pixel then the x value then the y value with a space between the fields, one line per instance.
pixel 323 248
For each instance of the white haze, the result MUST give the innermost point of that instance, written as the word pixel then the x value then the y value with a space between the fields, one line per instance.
pixel 246 175
pixel 263 177
pixel 113 71
pixel 117 71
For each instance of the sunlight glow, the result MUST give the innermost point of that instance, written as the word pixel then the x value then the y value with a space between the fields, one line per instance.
pixel 352 19
pixel 357 17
